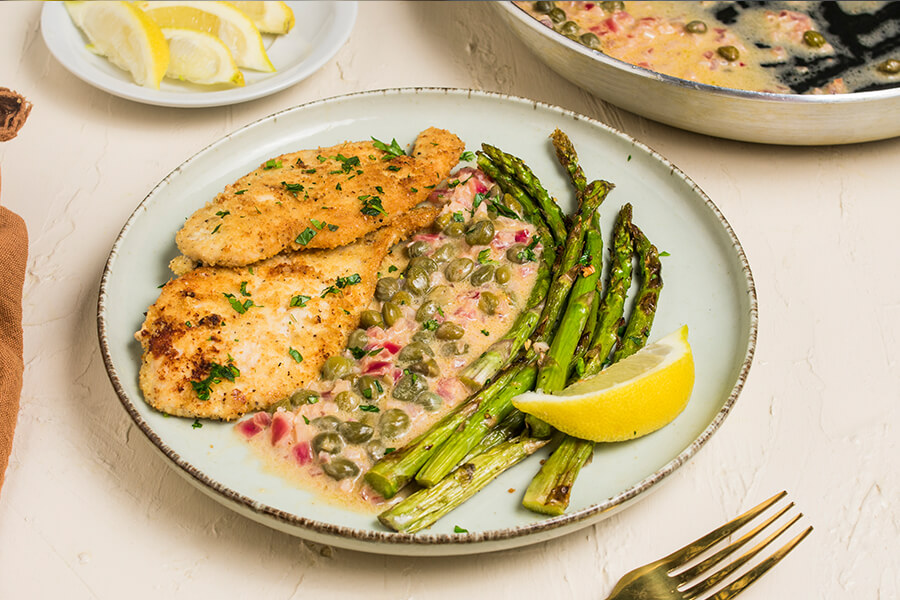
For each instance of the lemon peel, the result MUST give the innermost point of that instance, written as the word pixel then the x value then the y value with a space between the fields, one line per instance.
pixel 269 17
pixel 200 58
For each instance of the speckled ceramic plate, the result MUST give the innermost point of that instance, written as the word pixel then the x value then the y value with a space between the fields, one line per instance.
pixel 708 286
pixel 321 30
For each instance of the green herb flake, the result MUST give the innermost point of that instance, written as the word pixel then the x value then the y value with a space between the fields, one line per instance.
pixel 221 214
pixel 484 257
pixel 372 206
pixel 321 158
pixel 293 188
pixel 196 424
pixel 390 151
pixel 369 407
pixel 299 300
pixel 309 171
pixel 295 355
pixel 188 324
pixel 414 190
pixel 338 187
pixel 272 164
pixel 244 291
pixel 305 419
pixel 629 158
pixel 458 529
pixel 236 304
pixel 458 217
pixel 217 373
pixel 485 332
pixel 392 268
pixel 331 227
pixel 305 236
pixel 318 224
pixel 389 450
pixel 664 253
pixel 217 228
pixel 357 352
pixel 239 192
pixel 393 168
pixel 467 156
pixel 430 325
pixel 343 282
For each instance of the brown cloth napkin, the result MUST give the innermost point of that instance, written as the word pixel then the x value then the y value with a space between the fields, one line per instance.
pixel 14 110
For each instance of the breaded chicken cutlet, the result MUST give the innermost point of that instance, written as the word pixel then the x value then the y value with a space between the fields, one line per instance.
pixel 321 198
pixel 223 341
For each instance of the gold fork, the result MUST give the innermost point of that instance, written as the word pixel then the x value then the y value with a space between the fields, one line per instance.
pixel 667 579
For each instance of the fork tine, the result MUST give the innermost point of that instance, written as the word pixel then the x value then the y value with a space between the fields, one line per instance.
pixel 706 564
pixel 736 587
pixel 730 568
pixel 702 544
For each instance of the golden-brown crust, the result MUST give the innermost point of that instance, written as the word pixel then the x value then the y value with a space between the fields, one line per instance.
pixel 193 325
pixel 262 213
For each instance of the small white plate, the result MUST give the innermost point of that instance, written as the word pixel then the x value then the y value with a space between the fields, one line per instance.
pixel 321 30
pixel 707 285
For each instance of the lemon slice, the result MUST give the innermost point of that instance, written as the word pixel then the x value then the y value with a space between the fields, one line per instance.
pixel 269 17
pixel 200 57
pixel 125 36
pixel 631 398
pixel 220 19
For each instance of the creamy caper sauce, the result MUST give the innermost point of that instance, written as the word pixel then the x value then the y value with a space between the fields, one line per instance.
pixel 441 299
pixel 780 47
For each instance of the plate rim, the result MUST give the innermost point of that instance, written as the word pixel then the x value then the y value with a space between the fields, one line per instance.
pixel 345 14
pixel 649 74
pixel 385 541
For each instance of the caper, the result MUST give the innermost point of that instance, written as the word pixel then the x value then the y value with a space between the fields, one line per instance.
pixel 424 336
pixel 729 53
pixel 326 423
pixel 542 7
pixel 303 396
pixel 517 254
pixel 591 41
pixel 427 311
pixel 337 367
pixel 696 27
pixel 503 274
pixel 415 351
pixel 442 294
pixel 346 400
pixel 391 313
pixel 454 349
pixel 358 339
pixel 459 269
pixel 455 229
pixel 417 249
pixel 409 387
pixel 417 281
pixel 356 432
pixel 444 253
pixel 813 39
pixel 891 66
pixel 402 298
pixel 429 401
pixel 569 28
pixel 482 275
pixel 557 15
pixel 429 265
pixel 613 6
pixel 375 449
pixel 371 318
pixel 442 220
pixel 369 387
pixel 449 331
pixel 488 303
pixel 510 202
pixel 480 233
pixel 386 287
pixel 329 442
pixel 426 366
pixel 340 468
pixel 393 423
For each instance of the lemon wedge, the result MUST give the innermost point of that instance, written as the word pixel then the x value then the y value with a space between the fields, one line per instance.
pixel 269 17
pixel 220 19
pixel 125 36
pixel 631 398
pixel 200 57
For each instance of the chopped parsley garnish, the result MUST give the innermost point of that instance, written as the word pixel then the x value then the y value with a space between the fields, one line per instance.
pixel 305 419
pixel 244 291
pixel 341 283
pixel 393 168
pixel 295 355
pixel 484 257
pixel 236 304
pixel 305 236
pixel 503 209
pixel 347 164
pixel 467 156
pixel 272 164
pixel 221 214
pixel 431 324
pixel 477 200
pixel 664 253
pixel 429 187
pixel 357 352
pixel 458 217
pixel 369 407
pixel 309 171
pixel 629 158
pixel 338 187
pixel 372 206
pixel 318 224
pixel 196 424
pixel 294 188
pixel 527 254
pixel 217 228
pixel 239 192
pixel 321 158
pixel 393 150
pixel 458 529
pixel 216 374
pixel 188 324
pixel 392 268
pixel 389 450
pixel 485 332
pixel 414 190
pixel 299 300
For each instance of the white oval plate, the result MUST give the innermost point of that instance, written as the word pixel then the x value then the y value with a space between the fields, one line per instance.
pixel 321 30
pixel 708 285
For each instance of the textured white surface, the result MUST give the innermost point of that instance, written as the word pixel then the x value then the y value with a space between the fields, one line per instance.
pixel 90 506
